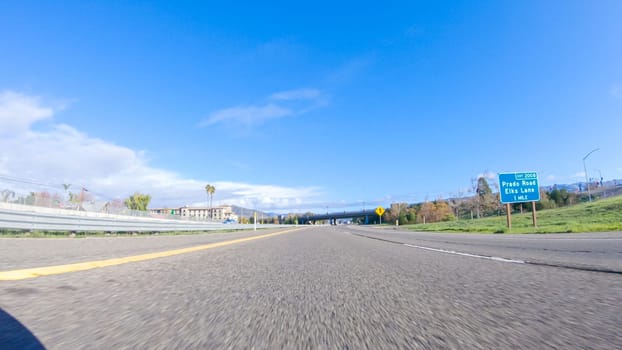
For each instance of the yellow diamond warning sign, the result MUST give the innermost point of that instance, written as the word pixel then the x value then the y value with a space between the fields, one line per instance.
pixel 380 211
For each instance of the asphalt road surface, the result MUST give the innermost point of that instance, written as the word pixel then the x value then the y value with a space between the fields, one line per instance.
pixel 340 287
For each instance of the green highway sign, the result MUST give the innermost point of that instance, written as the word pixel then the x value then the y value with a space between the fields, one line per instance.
pixel 519 187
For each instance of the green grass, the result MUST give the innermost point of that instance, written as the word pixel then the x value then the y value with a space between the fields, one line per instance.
pixel 599 216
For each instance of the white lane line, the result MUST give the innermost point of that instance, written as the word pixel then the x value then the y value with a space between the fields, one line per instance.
pixel 466 254
pixel 556 239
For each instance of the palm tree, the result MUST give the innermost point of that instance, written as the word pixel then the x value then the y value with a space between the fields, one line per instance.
pixel 210 192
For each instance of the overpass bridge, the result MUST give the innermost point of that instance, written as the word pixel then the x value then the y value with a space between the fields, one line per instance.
pixel 368 215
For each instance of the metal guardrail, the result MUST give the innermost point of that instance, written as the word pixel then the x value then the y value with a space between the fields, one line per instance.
pixel 34 220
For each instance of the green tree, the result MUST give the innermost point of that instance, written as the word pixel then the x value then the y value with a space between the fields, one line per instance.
pixel 291 219
pixel 561 197
pixel 545 202
pixel 482 187
pixel 487 201
pixel 138 201
pixel 411 216
pixel 403 218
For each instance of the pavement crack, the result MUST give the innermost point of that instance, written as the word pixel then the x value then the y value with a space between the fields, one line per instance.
pixel 587 268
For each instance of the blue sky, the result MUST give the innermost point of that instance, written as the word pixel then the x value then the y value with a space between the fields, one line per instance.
pixel 298 106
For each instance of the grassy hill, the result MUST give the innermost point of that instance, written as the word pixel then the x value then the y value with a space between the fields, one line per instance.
pixel 601 215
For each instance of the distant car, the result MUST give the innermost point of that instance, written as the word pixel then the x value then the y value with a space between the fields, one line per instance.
pixel 229 221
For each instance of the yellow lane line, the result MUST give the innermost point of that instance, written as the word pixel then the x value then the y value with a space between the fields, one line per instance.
pixel 58 269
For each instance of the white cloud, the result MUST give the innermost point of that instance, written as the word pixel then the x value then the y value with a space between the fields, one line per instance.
pixel 62 154
pixel 266 196
pixel 616 91
pixel 18 112
pixel 281 104
pixel 299 94
pixel 247 116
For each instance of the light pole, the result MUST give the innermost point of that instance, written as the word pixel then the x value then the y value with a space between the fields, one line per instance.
pixel 327 217
pixel 587 182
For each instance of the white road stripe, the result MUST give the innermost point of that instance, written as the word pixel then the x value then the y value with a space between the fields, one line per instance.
pixel 556 239
pixel 466 254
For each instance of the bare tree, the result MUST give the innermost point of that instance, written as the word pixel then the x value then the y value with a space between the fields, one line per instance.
pixel 6 194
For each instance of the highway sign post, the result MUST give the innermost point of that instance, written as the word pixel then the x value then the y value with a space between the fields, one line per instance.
pixel 380 211
pixel 519 188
